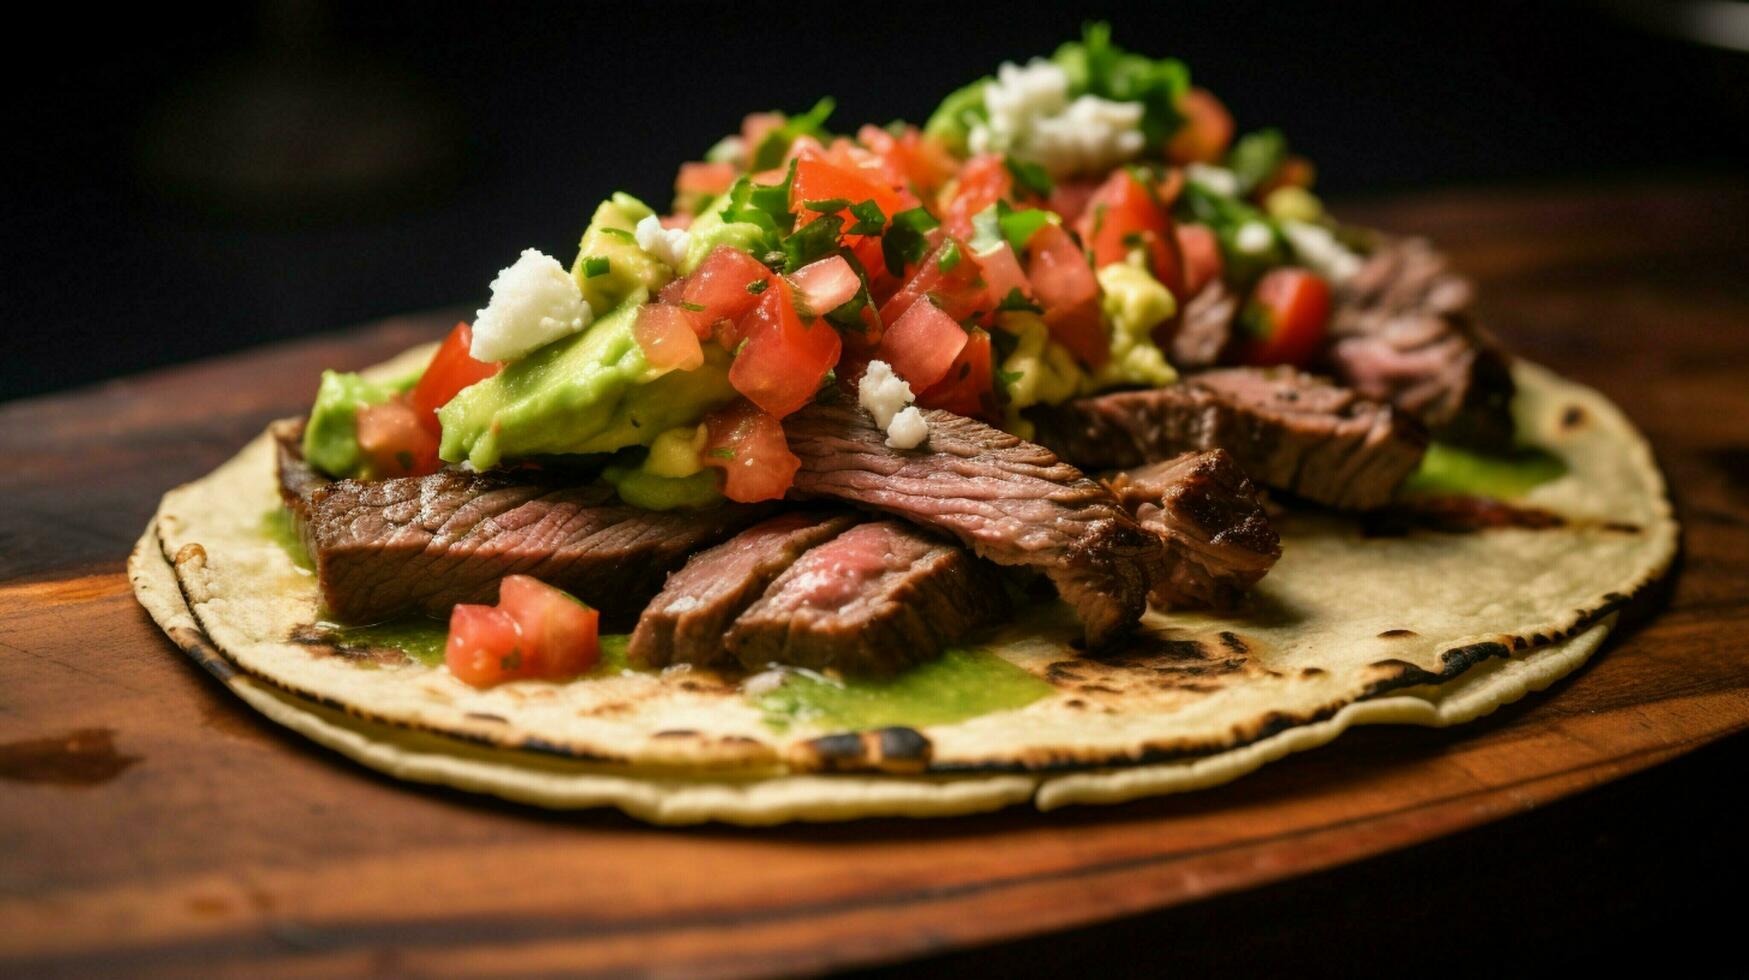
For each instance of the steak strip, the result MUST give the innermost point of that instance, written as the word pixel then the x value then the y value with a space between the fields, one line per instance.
pixel 423 544
pixel 872 601
pixel 687 620
pixel 1286 429
pixel 1402 333
pixel 1218 538
pixel 1010 501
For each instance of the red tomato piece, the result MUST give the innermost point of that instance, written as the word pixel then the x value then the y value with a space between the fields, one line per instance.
pixel 1002 274
pixel 1065 286
pixel 911 160
pixel 825 285
pixel 395 442
pixel 709 179
pixel 781 360
pixel 1287 318
pixel 968 387
pixel 1123 216
pixel 1069 198
pixel 821 180
pixel 982 182
pixel 749 447
pixel 722 288
pixel 561 636
pixel 1206 132
pixel 1202 258
pixel 960 288
pixel 922 344
pixel 668 338
pixel 450 370
pixel 484 646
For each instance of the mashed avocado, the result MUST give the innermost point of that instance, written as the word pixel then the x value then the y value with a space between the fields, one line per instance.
pixel 610 266
pixel 710 230
pixel 331 437
pixel 1134 303
pixel 592 392
pixel 1040 370
pixel 641 488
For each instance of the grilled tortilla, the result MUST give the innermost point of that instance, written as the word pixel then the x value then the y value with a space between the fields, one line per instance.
pixel 1360 622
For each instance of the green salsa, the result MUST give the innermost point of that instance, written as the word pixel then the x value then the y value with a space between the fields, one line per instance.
pixel 960 684
pixel 1448 469
pixel 418 637
pixel 278 527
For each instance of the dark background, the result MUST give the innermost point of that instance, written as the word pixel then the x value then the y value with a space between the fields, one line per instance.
pixel 180 185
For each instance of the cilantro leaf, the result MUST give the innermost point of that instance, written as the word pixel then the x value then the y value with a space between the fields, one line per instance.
pixel 905 242
pixel 594 266
pixel 815 240
pixel 1017 301
pixel 776 143
pixel 870 220
pixel 1255 157
pixel 1030 176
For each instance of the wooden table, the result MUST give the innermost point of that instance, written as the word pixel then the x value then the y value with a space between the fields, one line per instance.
pixel 149 821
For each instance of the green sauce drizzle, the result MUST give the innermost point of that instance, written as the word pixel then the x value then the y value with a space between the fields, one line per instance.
pixel 1447 469
pixel 960 684
pixel 278 527
pixel 418 637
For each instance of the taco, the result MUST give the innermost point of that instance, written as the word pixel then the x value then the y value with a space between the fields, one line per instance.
pixel 1062 449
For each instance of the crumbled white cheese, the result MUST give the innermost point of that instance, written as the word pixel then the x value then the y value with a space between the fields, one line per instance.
pixel 1220 180
pixel 1318 248
pixel 888 398
pixel 1253 238
pixel 763 682
pixel 534 302
pixel 908 429
pixel 1031 116
pixel 667 244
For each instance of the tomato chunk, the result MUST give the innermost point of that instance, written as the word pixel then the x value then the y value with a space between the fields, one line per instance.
pixel 1287 318
pixel 668 338
pixel 968 386
pixel 982 182
pixel 820 180
pixel 450 370
pixel 1202 258
pixel 951 276
pixel 1122 217
pixel 1002 274
pixel 395 442
pixel 922 344
pixel 705 178
pixel 560 635
pixel 484 646
pixel 826 285
pixel 1206 132
pixel 920 163
pixel 1066 288
pixel 724 287
pixel 781 360
pixel 749 447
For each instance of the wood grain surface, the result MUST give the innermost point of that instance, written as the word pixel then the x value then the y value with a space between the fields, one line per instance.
pixel 150 823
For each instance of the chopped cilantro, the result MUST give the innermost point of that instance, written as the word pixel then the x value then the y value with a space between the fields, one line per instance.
pixel 1017 301
pixel 1255 157
pixel 904 243
pixel 620 233
pixel 950 256
pixel 870 220
pixel 1030 176
pixel 692 307
pixel 757 286
pixel 772 149
pixel 594 266
pixel 813 241
pixel 723 452
pixel 831 205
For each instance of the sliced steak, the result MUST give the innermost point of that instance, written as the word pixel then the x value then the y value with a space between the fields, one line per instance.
pixel 872 601
pixel 423 544
pixel 1206 333
pixel 1218 539
pixel 1010 501
pixel 1402 333
pixel 687 620
pixel 1286 429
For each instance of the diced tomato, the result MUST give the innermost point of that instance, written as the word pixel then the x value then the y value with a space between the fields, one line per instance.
pixel 668 338
pixel 960 289
pixel 1206 132
pixel 781 360
pixel 825 285
pixel 982 182
pixel 1124 216
pixel 920 163
pixel 560 635
pixel 1202 258
pixel 719 289
pixel 1065 286
pixel 1167 189
pixel 821 180
pixel 700 177
pixel 395 442
pixel 1069 198
pixel 968 387
pixel 754 128
pixel 1295 171
pixel 484 646
pixel 1287 318
pixel 749 447
pixel 922 344
pixel 1002 274
pixel 450 370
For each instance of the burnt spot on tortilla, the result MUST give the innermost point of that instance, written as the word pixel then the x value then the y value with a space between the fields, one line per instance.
pixel 321 642
pixel 1573 417
pixel 488 716
pixel 1232 642
pixel 190 553
pixel 675 733
pixel 1397 634
pixel 1621 527
pixel 1455 514
pixel 892 749
pixel 1312 672
pixel 1459 659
